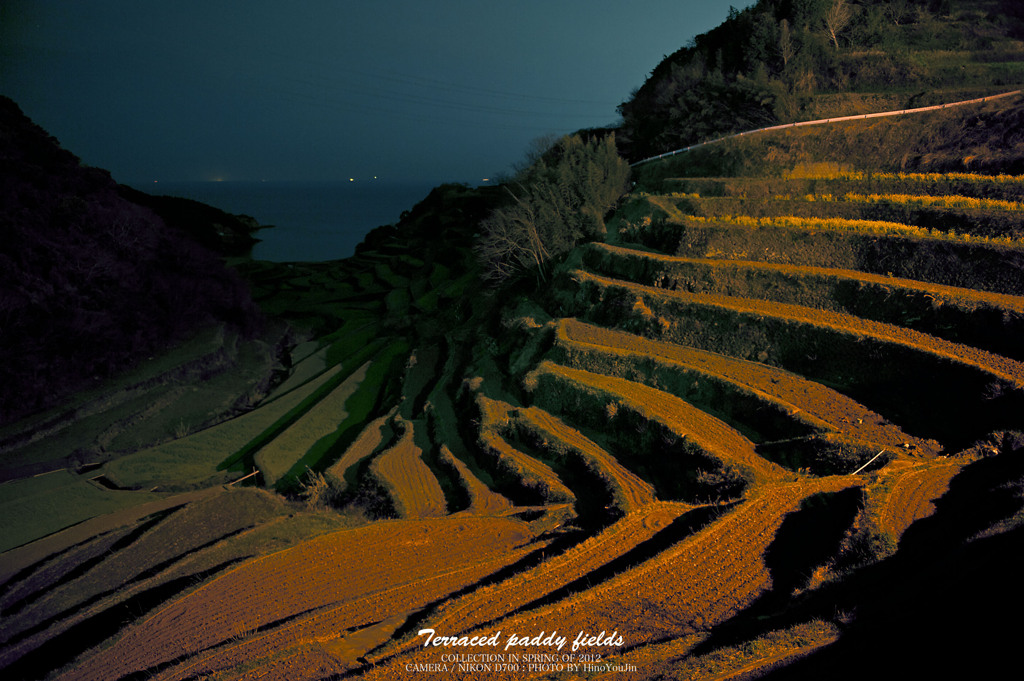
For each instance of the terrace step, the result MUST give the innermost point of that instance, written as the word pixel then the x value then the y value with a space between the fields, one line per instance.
pixel 872 247
pixel 991 321
pixel 482 499
pixel 765 402
pixel 953 214
pixel 413 488
pixel 372 437
pixel 1003 187
pixel 626 489
pixel 892 370
pixel 516 473
pixel 669 427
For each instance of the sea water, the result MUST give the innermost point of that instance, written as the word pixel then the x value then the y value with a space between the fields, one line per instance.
pixel 312 221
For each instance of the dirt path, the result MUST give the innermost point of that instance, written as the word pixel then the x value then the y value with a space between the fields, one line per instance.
pixel 824 121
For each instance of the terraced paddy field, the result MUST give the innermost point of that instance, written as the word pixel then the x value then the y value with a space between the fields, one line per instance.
pixel 768 417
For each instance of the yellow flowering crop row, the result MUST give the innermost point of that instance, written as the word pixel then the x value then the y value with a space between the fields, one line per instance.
pixel 951 201
pixel 926 178
pixel 880 227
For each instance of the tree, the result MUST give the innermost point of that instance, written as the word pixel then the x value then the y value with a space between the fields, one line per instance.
pixel 557 201
pixel 899 11
pixel 510 241
pixel 836 18
pixel 787 50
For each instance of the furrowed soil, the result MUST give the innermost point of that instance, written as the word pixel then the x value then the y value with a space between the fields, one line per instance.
pixel 691 587
pixel 325 573
pixel 412 485
pixel 701 446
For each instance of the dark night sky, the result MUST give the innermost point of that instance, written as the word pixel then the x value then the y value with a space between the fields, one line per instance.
pixel 432 90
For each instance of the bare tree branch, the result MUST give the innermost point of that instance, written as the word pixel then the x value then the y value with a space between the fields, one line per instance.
pixel 836 18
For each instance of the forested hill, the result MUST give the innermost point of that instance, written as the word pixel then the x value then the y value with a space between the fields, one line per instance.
pixel 90 282
pixel 780 61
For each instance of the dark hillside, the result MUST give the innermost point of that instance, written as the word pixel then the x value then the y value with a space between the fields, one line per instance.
pixel 89 282
pixel 780 61
pixel 217 230
pixel 985 138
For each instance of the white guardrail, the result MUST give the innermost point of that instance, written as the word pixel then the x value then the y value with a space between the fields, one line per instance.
pixel 823 121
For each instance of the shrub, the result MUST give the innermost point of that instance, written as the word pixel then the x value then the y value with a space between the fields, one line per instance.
pixel 558 201
pixel 316 491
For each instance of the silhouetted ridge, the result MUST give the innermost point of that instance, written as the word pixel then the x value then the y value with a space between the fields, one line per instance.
pixel 90 282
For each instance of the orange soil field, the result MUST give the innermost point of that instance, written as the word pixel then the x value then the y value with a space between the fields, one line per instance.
pixel 482 499
pixel 337 635
pixel 634 491
pixel 534 473
pixel 983 217
pixel 942 294
pixel 880 247
pixel 823 221
pixel 823 405
pixel 914 491
pixel 328 571
pixel 1004 187
pixel 365 444
pixel 497 601
pixel 693 586
pixel 415 491
pixel 709 433
pixel 986 362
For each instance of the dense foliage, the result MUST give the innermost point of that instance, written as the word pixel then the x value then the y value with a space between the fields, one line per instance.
pixel 558 201
pixel 89 282
pixel 769 63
